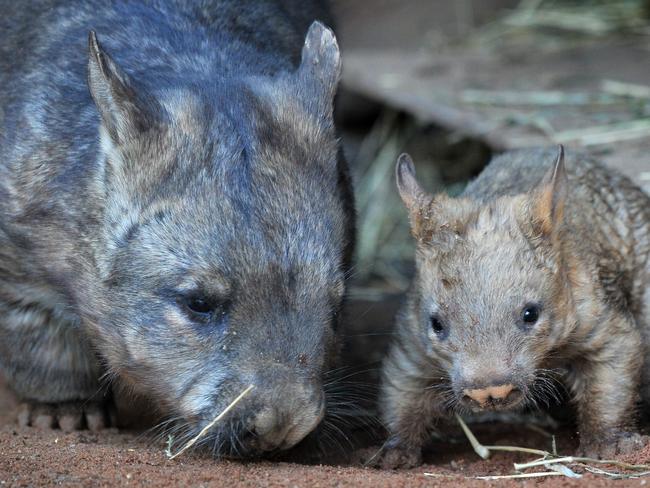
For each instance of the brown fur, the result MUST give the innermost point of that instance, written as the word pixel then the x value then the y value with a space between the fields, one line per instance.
pixel 571 245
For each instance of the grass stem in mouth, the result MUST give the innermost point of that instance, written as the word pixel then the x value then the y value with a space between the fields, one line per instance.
pixel 205 429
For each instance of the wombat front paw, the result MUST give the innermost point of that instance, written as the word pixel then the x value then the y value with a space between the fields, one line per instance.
pixel 401 458
pixel 610 446
pixel 68 416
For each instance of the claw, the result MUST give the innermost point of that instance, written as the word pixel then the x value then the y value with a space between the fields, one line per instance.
pixel 66 416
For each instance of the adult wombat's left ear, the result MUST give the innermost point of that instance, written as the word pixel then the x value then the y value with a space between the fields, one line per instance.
pixel 125 110
pixel 549 198
pixel 320 67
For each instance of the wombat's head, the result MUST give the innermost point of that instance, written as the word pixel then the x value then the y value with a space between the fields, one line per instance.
pixel 488 302
pixel 225 247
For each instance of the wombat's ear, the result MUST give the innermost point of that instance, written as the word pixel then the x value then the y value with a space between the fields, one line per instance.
pixel 409 189
pixel 124 112
pixel 548 203
pixel 320 66
pixel 418 202
pixel 435 221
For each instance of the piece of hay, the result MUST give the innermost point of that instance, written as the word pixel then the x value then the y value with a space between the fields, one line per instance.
pixel 205 429
pixel 516 476
pixel 605 134
pixel 478 447
pixel 622 89
pixel 558 464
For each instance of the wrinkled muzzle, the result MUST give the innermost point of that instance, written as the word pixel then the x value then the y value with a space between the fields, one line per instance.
pixel 288 409
pixel 275 414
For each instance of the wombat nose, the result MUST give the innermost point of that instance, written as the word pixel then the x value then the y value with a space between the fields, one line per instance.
pixel 270 428
pixel 277 429
pixel 491 394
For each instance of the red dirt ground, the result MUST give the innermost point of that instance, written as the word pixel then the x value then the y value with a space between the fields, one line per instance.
pixel 30 457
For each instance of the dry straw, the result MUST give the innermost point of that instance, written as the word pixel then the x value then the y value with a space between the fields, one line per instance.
pixel 558 465
pixel 205 429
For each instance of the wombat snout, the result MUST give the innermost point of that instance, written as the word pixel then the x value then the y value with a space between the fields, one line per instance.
pixel 492 397
pixel 282 411
pixel 281 428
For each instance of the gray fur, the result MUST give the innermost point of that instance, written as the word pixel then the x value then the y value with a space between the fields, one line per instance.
pixel 185 150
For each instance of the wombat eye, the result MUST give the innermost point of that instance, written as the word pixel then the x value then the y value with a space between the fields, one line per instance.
pixel 437 326
pixel 199 305
pixel 201 308
pixel 530 314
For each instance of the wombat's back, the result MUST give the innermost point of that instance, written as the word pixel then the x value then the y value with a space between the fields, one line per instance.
pixel 606 216
pixel 46 111
pixel 30 30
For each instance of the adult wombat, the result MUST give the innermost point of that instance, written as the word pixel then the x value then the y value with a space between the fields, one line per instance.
pixel 173 211
pixel 534 275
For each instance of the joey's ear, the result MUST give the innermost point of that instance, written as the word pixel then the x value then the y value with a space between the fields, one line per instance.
pixel 124 112
pixel 549 198
pixel 417 201
pixel 436 222
pixel 320 67
pixel 409 189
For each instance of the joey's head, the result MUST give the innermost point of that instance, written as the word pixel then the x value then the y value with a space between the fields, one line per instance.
pixel 226 242
pixel 488 303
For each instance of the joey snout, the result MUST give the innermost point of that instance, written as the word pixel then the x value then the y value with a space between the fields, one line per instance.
pixel 499 395
pixel 483 388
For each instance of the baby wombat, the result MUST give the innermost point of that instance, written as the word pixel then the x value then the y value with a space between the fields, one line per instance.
pixel 182 222
pixel 537 274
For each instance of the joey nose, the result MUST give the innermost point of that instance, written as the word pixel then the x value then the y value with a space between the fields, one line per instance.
pixel 491 394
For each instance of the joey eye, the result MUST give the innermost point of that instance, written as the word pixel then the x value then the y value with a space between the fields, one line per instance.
pixel 437 326
pixel 530 314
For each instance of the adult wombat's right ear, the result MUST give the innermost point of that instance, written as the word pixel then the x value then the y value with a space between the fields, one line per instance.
pixel 320 66
pixel 123 110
